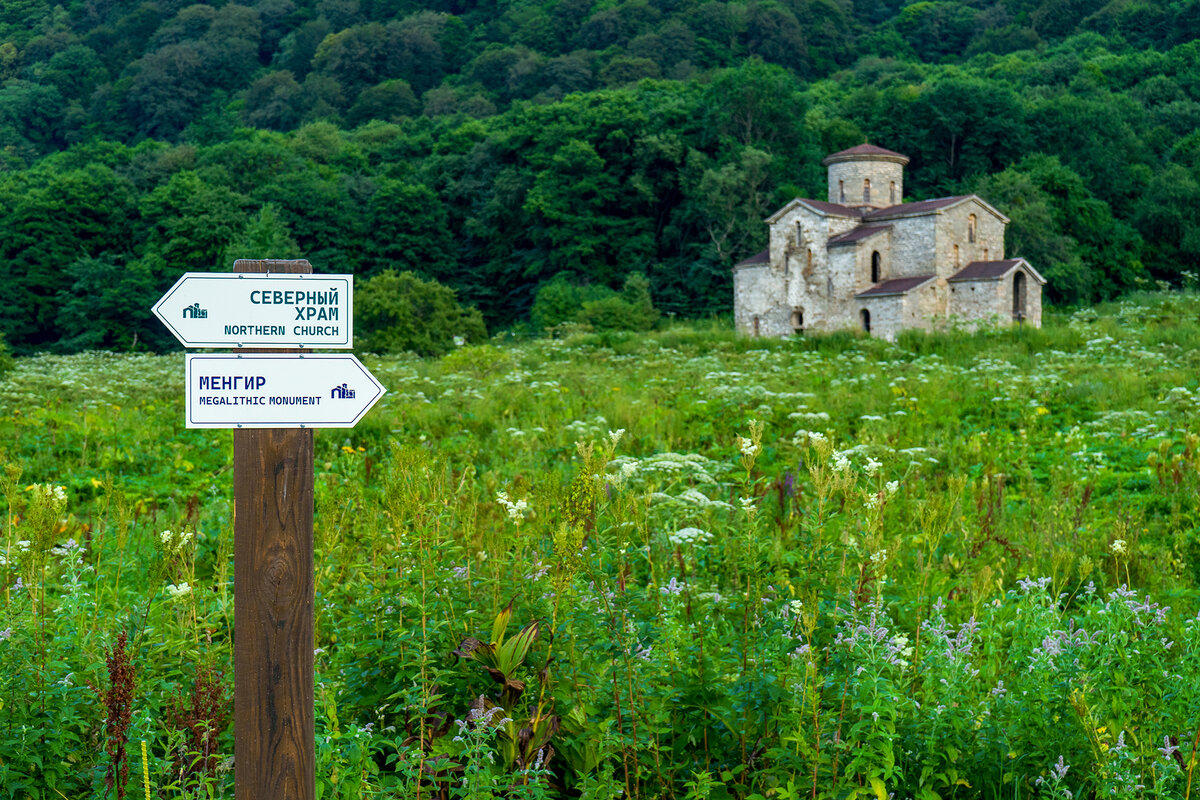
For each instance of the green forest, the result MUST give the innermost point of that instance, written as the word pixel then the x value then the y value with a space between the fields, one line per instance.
pixel 500 147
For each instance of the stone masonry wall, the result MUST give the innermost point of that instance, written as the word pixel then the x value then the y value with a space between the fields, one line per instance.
pixel 792 236
pixel 1033 299
pixel 952 228
pixel 912 247
pixel 758 293
pixel 852 173
pixel 887 315
pixel 978 302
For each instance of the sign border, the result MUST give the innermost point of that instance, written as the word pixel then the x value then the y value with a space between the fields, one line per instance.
pixel 380 391
pixel 345 278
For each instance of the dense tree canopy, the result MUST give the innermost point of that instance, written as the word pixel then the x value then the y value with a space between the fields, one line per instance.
pixel 502 148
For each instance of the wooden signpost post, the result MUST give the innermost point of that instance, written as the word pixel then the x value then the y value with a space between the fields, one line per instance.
pixel 274 741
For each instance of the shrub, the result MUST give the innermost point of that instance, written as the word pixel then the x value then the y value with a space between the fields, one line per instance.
pixel 398 311
pixel 6 359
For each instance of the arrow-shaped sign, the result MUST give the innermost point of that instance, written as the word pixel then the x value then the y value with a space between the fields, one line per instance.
pixel 278 391
pixel 246 309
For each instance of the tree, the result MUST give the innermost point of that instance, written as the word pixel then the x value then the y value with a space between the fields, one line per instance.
pixel 388 101
pixel 191 223
pixel 275 101
pixel 265 236
pixel 108 307
pixel 1067 234
pixel 396 312
pixel 408 230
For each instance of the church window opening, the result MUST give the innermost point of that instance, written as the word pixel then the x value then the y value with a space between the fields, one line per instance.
pixel 875 266
pixel 841 191
pixel 892 193
pixel 799 234
pixel 810 259
pixel 866 190
pixel 1018 289
pixel 971 229
pixel 956 255
pixel 797 320
pixel 985 254
pixel 756 325
pixel 866 320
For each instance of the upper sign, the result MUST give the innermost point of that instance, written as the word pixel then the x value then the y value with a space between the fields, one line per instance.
pixel 259 309
pixel 269 390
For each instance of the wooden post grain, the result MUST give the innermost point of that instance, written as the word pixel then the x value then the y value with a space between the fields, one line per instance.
pixel 274 750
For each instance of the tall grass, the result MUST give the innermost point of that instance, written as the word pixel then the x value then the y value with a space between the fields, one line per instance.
pixel 822 567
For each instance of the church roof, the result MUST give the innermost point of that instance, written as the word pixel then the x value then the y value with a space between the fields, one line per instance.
pixel 993 270
pixel 896 286
pixel 819 206
pixel 928 206
pixel 855 235
pixel 758 258
pixel 868 152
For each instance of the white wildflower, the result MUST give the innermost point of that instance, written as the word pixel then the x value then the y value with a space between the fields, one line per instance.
pixel 1119 548
pixel 179 591
pixel 516 510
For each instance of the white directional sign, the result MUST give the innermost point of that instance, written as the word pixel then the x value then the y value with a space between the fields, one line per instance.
pixel 247 309
pixel 281 390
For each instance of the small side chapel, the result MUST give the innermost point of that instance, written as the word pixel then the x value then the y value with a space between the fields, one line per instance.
pixel 866 259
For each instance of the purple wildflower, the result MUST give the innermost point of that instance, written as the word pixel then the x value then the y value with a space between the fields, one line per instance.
pixel 1167 749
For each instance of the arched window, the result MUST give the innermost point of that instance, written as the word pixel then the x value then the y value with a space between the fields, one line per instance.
pixel 841 191
pixel 866 190
pixel 892 193
pixel 799 234
pixel 971 229
pixel 875 266
pixel 797 320
pixel 1018 290
pixel 985 254
pixel 866 320
pixel 810 259
pixel 956 255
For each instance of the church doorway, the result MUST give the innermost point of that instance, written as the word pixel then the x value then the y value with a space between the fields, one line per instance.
pixel 1018 292
pixel 866 320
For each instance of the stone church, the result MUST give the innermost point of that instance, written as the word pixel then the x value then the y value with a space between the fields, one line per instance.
pixel 866 259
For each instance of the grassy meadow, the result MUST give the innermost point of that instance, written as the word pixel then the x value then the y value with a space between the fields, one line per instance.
pixel 682 564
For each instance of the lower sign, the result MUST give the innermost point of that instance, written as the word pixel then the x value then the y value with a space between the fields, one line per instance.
pixel 278 391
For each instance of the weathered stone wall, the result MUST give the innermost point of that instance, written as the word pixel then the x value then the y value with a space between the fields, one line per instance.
pixel 952 228
pixel 887 314
pixel 759 294
pixel 881 243
pixel 912 247
pixel 852 173
pixel 978 302
pixel 1033 298
pixel 926 307
pixel 809 288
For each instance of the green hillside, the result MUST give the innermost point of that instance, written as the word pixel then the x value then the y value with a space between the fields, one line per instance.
pixel 493 147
